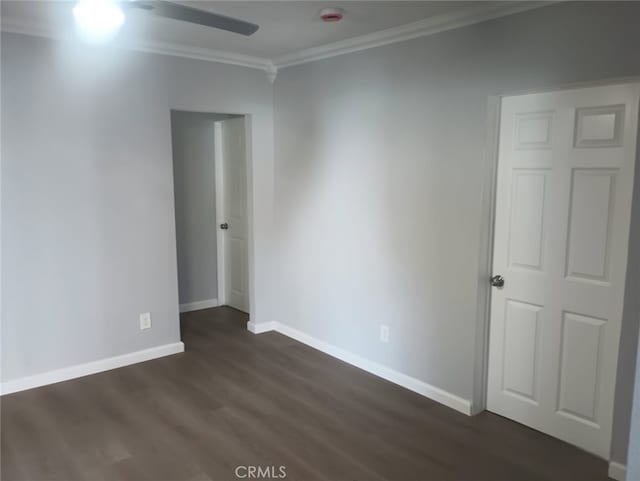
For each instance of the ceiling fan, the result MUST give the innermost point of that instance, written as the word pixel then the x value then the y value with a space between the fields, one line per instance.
pixel 106 16
pixel 193 15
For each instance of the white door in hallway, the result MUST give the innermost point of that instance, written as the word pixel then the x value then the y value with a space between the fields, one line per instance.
pixel 563 207
pixel 231 185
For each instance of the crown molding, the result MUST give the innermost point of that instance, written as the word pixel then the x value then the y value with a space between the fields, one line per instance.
pixel 202 54
pixel 210 55
pixel 11 25
pixel 429 26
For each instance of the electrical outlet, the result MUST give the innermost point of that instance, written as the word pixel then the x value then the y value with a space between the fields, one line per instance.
pixel 384 333
pixel 145 320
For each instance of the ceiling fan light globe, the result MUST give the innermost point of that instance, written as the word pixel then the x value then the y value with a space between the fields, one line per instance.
pixel 97 21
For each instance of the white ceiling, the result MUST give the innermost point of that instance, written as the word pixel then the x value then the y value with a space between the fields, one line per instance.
pixel 290 26
pixel 286 27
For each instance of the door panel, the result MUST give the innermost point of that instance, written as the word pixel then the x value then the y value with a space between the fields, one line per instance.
pixel 563 204
pixel 522 326
pixel 580 366
pixel 592 192
pixel 527 219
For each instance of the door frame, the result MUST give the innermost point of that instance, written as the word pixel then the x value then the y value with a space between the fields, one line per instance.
pixel 249 121
pixel 488 204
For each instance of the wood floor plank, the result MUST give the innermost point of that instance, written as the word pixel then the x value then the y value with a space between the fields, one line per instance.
pixel 238 399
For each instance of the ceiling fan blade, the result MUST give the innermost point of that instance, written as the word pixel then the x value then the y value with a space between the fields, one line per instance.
pixel 193 15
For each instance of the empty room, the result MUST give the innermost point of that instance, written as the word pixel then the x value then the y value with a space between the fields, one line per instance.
pixel 308 240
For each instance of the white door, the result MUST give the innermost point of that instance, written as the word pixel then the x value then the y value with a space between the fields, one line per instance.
pixel 231 186
pixel 563 204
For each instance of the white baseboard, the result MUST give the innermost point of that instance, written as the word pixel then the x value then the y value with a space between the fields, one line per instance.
pixel 196 306
pixel 88 368
pixel 617 471
pixel 261 327
pixel 440 395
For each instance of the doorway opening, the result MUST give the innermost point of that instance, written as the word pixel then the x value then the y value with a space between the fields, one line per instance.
pixel 211 209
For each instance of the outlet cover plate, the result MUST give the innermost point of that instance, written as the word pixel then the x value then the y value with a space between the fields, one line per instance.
pixel 145 321
pixel 384 333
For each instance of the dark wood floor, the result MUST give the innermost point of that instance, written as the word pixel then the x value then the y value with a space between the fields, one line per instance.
pixel 237 399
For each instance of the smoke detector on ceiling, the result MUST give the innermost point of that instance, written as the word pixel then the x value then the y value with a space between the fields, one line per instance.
pixel 332 14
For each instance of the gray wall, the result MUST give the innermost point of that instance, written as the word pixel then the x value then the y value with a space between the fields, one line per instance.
pixel 379 182
pixel 88 231
pixel 193 147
